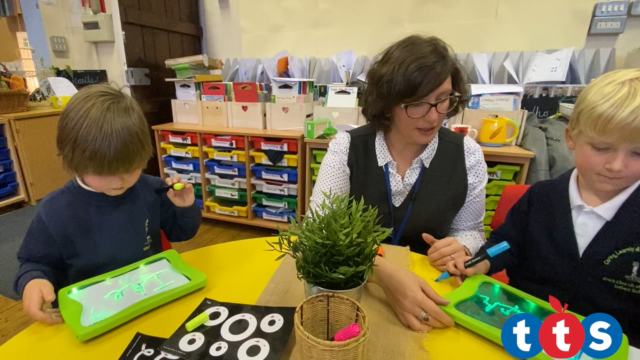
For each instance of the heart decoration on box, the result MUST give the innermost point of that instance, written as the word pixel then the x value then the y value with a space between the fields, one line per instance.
pixel 335 114
pixel 245 108
pixel 285 109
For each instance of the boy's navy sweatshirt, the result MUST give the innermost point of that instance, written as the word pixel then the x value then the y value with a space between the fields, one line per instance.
pixel 78 234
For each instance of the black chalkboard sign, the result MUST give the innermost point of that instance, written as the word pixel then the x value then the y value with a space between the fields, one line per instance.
pixel 82 78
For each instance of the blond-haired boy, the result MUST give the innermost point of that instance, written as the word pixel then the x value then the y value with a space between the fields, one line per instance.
pixel 577 237
pixel 110 215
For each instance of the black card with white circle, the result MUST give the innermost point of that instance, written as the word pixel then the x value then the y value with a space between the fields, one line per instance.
pixel 145 347
pixel 233 332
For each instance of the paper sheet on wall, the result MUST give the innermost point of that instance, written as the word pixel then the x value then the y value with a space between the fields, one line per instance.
pixel 344 62
pixel 548 67
pixel 481 63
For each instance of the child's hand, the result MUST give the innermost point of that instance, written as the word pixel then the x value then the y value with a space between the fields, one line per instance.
pixel 443 251
pixel 180 198
pixel 456 268
pixel 37 295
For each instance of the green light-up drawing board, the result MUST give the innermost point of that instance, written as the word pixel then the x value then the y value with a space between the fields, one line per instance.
pixel 99 304
pixel 483 305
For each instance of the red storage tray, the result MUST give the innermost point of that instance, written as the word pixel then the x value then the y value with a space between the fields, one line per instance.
pixel 273 144
pixel 186 138
pixel 224 141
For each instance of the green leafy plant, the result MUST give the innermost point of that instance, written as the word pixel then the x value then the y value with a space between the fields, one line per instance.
pixel 335 245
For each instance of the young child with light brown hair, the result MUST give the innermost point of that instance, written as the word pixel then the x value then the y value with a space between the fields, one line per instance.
pixel 577 237
pixel 109 215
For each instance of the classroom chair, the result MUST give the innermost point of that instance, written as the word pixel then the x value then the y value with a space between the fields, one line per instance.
pixel 510 196
pixel 166 244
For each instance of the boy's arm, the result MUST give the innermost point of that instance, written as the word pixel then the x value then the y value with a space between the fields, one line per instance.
pixel 39 256
pixel 179 223
pixel 513 231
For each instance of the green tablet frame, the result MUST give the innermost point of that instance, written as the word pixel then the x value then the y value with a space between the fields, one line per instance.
pixel 71 310
pixel 469 288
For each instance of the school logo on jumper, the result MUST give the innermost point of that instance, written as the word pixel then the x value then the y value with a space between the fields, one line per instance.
pixel 634 273
pixel 561 335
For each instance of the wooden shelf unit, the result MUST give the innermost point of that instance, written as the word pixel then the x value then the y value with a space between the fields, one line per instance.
pixel 251 218
pixel 21 194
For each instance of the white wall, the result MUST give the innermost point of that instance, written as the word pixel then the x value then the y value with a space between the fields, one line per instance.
pixel 627 44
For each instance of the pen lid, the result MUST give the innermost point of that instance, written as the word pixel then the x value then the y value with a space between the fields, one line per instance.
pixel 497 249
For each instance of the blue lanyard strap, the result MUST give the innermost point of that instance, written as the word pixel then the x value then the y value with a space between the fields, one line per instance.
pixel 395 235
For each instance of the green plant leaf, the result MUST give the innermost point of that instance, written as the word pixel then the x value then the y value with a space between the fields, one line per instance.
pixel 280 257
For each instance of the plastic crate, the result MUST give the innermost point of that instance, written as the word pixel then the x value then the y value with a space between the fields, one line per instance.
pixel 319 155
pixel 182 164
pixel 272 214
pixel 181 150
pixel 217 154
pixel 275 187
pixel 227 193
pixel 224 141
pixel 315 168
pixel 200 204
pixel 228 182
pixel 7 178
pixel 5 154
pixel 314 177
pixel 502 172
pixel 6 166
pixel 187 176
pixel 277 201
pixel 181 138
pixel 261 158
pixel 274 173
pixel 487 231
pixel 488 217
pixel 226 168
pixel 226 208
pixel 3 142
pixel 496 187
pixel 491 202
pixel 273 144
pixel 9 190
pixel 197 190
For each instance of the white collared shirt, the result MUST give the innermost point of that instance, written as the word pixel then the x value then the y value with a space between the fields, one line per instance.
pixel 466 226
pixel 587 220
pixel 84 186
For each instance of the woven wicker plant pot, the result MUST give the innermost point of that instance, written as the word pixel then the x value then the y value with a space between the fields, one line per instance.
pixel 319 318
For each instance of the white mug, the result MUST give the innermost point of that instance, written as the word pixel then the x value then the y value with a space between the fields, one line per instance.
pixel 465 130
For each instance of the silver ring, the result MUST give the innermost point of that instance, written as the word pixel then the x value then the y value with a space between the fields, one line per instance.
pixel 423 317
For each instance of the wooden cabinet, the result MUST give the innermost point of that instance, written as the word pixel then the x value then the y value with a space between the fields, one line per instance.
pixel 34 133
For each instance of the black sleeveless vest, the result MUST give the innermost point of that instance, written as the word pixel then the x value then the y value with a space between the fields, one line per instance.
pixel 440 196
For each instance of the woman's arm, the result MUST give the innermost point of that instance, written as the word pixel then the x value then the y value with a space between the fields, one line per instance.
pixel 334 171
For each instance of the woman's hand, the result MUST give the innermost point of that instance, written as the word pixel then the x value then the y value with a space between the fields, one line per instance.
pixel 180 198
pixel 409 296
pixel 443 251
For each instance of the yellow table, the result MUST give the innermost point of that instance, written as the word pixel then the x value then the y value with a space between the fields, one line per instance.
pixel 236 272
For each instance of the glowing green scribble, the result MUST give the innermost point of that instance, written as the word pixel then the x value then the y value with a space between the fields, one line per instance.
pixel 504 309
pixel 139 287
pixel 98 317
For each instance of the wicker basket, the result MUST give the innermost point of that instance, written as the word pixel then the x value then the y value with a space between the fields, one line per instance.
pixel 319 318
pixel 13 101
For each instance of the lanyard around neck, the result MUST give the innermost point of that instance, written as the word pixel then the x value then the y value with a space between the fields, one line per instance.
pixel 395 235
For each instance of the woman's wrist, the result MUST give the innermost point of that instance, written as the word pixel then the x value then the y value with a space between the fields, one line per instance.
pixel 379 269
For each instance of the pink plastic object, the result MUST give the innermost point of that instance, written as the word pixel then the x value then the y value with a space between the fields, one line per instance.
pixel 348 333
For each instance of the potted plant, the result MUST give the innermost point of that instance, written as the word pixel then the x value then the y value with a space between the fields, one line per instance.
pixel 334 246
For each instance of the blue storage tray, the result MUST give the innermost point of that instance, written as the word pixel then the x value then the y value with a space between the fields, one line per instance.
pixel 226 168
pixel 284 216
pixel 7 178
pixel 200 204
pixel 274 173
pixel 3 142
pixel 182 164
pixel 6 166
pixel 9 190
pixel 4 154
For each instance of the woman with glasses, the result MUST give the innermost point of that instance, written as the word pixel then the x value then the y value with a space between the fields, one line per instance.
pixel 426 181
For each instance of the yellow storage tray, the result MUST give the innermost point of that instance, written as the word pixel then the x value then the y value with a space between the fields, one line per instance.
pixel 183 151
pixel 235 155
pixel 288 160
pixel 226 208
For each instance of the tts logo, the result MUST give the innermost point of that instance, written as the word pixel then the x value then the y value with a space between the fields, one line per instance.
pixel 561 335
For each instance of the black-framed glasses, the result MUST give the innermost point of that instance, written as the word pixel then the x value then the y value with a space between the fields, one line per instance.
pixel 418 110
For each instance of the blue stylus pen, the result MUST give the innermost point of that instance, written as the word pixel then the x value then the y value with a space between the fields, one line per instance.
pixel 491 252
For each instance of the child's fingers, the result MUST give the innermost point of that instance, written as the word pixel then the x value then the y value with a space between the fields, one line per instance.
pixel 188 186
pixel 168 181
pixel 452 269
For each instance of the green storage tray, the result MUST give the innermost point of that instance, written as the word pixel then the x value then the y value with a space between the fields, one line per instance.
pixel 227 193
pixel 488 217
pixel 496 187
pixel 275 201
pixel 197 190
pixel 503 172
pixel 314 178
pixel 491 202
pixel 319 155
pixel 487 231
pixel 315 168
